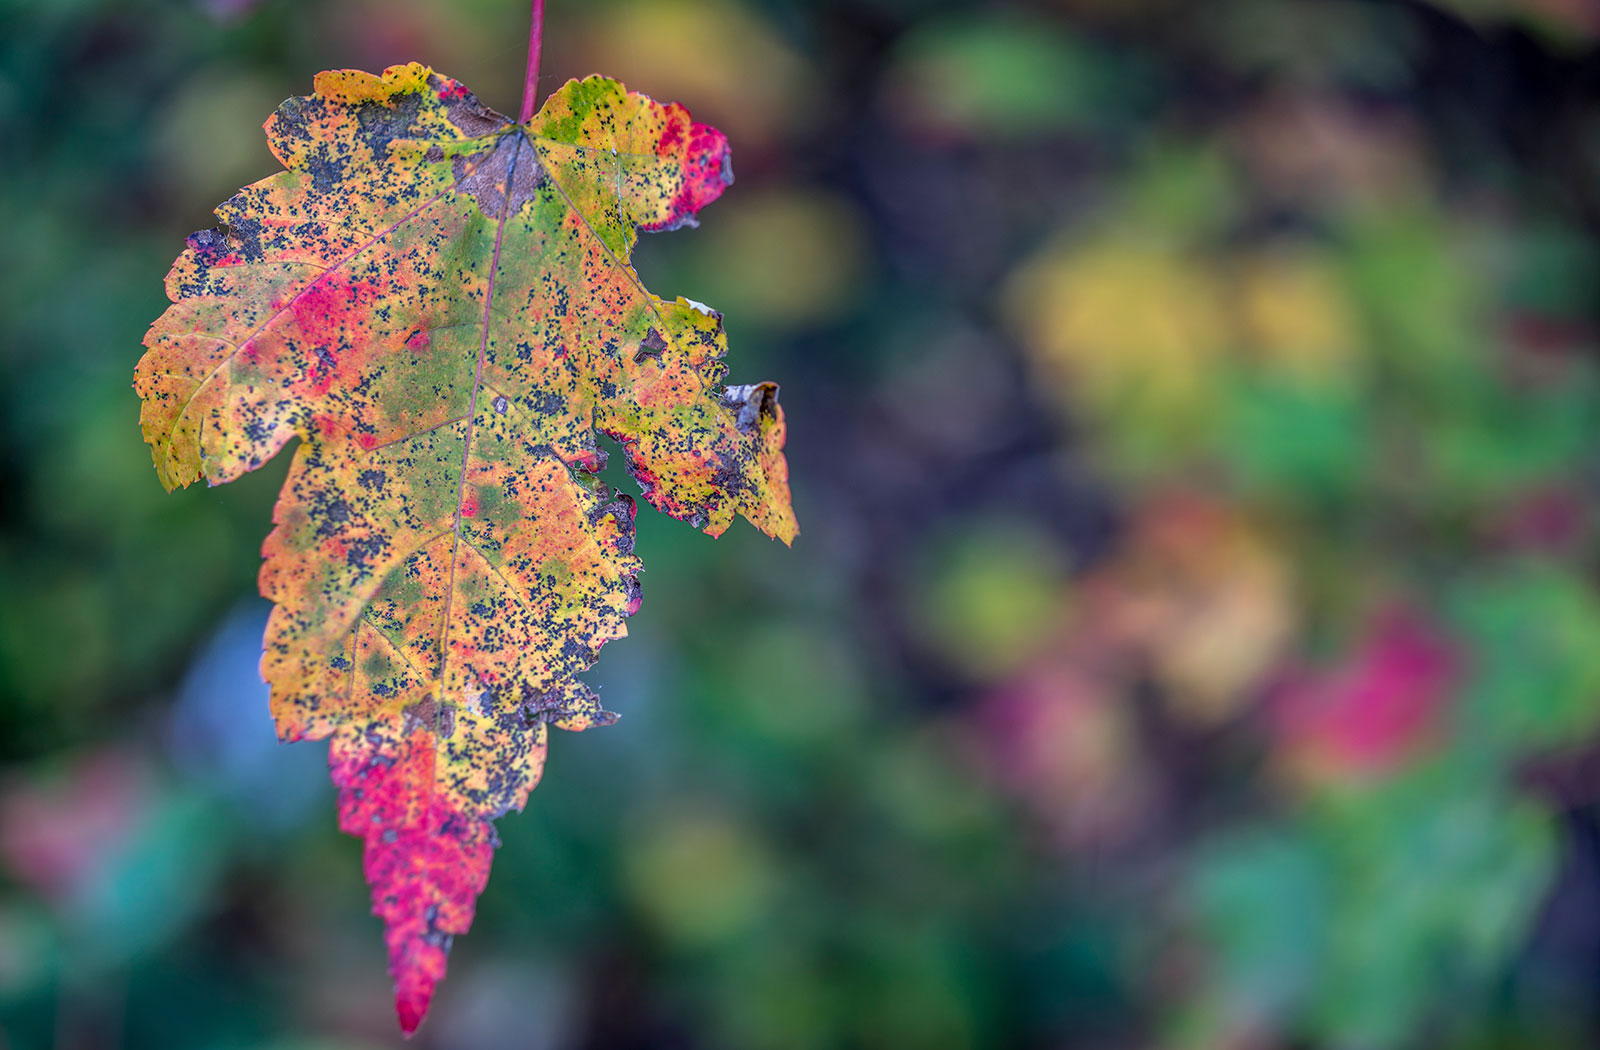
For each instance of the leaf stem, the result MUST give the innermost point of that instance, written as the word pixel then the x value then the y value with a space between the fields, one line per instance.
pixel 530 83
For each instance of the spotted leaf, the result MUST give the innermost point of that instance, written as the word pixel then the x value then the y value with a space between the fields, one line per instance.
pixel 438 303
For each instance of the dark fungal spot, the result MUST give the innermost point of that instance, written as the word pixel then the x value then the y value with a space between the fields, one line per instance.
pixel 547 402
pixel 510 165
pixel 463 109
pixel 580 654
pixel 434 935
pixel 326 171
pixel 244 233
pixel 383 122
pixel 651 346
pixel 536 706
pixel 292 113
pixel 361 553
pixel 728 478
pixel 209 243
pixel 623 510
pixel 330 512
pixel 421 714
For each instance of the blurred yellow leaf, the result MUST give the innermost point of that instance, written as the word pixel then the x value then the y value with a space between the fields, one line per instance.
pixel 209 140
pixel 1127 328
pixel 698 875
pixel 1293 313
pixel 1206 597
pixel 741 75
pixel 796 257
pixel 990 597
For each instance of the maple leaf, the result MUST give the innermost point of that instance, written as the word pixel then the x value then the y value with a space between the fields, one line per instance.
pixel 438 302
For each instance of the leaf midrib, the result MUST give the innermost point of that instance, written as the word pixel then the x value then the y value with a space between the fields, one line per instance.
pixel 472 402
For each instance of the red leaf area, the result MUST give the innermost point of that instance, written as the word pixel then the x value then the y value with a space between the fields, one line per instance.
pixel 426 863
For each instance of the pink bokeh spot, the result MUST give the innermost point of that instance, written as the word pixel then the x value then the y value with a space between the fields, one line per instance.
pixel 1380 709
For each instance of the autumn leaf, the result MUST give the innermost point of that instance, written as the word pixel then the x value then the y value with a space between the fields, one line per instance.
pixel 438 303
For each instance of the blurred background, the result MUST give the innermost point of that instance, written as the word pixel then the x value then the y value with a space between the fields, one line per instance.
pixel 1193 640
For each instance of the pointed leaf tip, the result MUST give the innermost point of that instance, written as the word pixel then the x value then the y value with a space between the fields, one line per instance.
pixel 411 1010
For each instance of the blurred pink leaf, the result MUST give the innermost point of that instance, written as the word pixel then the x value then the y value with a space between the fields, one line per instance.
pixel 1376 711
pixel 56 832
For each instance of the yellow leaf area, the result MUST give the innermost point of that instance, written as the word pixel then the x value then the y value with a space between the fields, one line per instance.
pixel 1205 596
pixel 1142 334
pixel 438 303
